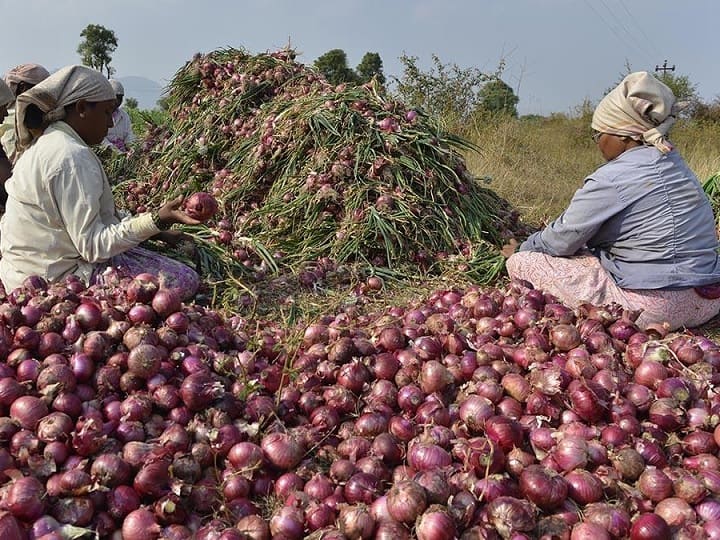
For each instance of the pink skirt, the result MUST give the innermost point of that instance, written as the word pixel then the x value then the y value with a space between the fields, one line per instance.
pixel 171 274
pixel 581 279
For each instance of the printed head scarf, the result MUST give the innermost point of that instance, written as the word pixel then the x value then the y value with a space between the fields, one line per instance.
pixel 64 87
pixel 118 87
pixel 6 95
pixel 28 73
pixel 641 107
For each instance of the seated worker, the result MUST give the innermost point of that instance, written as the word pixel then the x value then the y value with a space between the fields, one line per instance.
pixel 640 232
pixel 60 217
pixel 121 135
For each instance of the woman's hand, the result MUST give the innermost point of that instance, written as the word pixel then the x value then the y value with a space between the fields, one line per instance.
pixel 509 248
pixel 170 213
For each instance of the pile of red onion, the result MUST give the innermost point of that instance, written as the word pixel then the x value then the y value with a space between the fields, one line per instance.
pixel 481 413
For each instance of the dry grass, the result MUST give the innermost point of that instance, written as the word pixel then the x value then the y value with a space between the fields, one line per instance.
pixel 538 164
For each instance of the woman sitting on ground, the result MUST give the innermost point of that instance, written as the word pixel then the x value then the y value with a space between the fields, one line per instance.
pixel 60 217
pixel 640 232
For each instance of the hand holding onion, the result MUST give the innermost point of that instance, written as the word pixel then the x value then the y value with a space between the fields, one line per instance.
pixel 197 209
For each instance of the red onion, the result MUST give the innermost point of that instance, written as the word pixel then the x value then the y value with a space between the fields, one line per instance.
pixel 543 487
pixel 406 501
pixel 356 522
pixel 25 499
pixel 584 487
pixel 650 527
pixel 435 524
pixel 166 301
pixel 589 531
pixel 510 515
pixel 282 450
pixel 675 511
pixel 201 206
pixel 27 411
pixel 140 524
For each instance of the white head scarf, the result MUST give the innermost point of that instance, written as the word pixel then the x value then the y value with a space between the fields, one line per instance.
pixel 641 107
pixel 28 73
pixel 118 87
pixel 64 87
pixel 6 95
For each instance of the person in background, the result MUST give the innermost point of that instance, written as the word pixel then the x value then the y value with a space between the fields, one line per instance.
pixel 640 232
pixel 121 135
pixel 60 217
pixel 6 99
pixel 20 79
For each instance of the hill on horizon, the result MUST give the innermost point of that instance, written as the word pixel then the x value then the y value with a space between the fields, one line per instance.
pixel 146 91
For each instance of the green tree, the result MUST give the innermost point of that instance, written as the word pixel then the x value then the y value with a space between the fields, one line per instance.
pixel 97 47
pixel 131 103
pixel 334 67
pixel 446 90
pixel 497 97
pixel 370 66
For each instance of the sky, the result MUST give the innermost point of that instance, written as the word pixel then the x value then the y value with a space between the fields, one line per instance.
pixel 557 53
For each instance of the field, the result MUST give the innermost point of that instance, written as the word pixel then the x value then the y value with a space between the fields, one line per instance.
pixel 538 164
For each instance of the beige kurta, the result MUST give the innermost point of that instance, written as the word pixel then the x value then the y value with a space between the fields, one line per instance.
pixel 60 215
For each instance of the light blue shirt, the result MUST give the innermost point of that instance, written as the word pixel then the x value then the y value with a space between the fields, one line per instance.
pixel 646 217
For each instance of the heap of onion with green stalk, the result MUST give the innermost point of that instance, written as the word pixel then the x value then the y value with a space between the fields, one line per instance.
pixel 304 170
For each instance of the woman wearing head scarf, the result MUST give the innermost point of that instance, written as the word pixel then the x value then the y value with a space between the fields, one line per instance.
pixel 6 99
pixel 20 79
pixel 121 135
pixel 60 217
pixel 640 232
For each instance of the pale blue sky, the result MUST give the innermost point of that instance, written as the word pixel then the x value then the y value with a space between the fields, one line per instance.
pixel 557 52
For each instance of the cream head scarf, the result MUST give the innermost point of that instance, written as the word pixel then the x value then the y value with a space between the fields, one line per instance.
pixel 6 95
pixel 64 87
pixel 28 73
pixel 640 107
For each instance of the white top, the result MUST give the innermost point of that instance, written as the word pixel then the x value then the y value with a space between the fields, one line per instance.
pixel 7 133
pixel 60 215
pixel 121 135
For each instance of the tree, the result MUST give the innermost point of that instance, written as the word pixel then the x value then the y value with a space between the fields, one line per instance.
pixel 97 47
pixel 370 66
pixel 333 65
pixel 498 98
pixel 446 90
pixel 131 103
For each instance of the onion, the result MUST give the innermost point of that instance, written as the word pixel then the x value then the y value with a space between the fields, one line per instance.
pixel 589 531
pixel 282 450
pixel 201 206
pixel 25 499
pixel 650 527
pixel 543 487
pixel 356 522
pixel 406 501
pixel 613 519
pixel 675 511
pixel 655 484
pixel 28 411
pixel 435 524
pixel 166 301
pixel 584 487
pixel 510 515
pixel 140 524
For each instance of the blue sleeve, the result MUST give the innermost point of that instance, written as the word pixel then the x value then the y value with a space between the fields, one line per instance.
pixel 591 206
